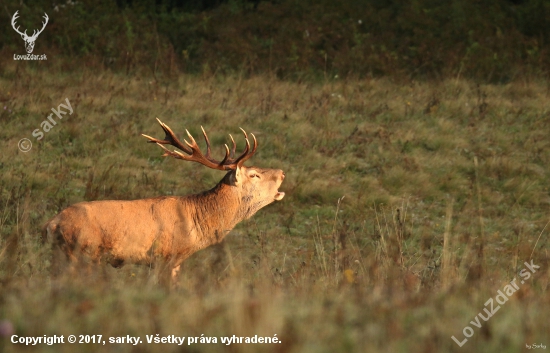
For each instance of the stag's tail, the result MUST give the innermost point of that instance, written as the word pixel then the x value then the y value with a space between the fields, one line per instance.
pixel 50 231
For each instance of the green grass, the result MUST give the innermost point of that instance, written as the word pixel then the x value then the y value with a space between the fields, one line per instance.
pixel 378 174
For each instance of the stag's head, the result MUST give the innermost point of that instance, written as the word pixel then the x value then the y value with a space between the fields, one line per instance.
pixel 257 187
pixel 29 40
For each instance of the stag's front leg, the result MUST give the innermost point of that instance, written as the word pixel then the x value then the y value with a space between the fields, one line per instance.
pixel 168 274
pixel 175 272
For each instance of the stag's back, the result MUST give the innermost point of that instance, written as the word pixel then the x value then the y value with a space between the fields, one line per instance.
pixel 127 230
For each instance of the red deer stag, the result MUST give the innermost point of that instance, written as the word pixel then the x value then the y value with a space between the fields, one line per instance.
pixel 169 227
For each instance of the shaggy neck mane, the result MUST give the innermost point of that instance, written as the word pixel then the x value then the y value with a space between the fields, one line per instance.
pixel 216 212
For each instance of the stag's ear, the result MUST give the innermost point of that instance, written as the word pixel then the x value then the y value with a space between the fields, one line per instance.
pixel 239 175
pixel 235 176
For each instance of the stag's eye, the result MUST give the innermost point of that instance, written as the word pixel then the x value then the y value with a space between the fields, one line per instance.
pixel 254 176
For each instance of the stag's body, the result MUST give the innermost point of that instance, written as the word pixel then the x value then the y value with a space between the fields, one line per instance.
pixel 167 227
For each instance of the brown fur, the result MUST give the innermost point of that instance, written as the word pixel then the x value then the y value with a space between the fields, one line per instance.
pixel 169 227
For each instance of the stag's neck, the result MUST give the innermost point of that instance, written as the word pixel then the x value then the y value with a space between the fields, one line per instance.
pixel 215 213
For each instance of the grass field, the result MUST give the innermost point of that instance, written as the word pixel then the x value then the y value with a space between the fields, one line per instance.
pixel 408 206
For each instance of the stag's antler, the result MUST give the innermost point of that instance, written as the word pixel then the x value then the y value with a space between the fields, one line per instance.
pixel 229 162
pixel 43 26
pixel 24 34
pixel 13 20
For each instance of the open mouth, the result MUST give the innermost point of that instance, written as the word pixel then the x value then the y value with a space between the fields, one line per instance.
pixel 279 196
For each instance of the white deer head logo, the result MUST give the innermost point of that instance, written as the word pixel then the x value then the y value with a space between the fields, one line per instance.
pixel 29 41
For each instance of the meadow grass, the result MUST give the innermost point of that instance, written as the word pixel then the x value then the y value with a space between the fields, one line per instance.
pixel 408 205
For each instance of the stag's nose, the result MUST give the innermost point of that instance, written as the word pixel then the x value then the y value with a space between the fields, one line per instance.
pixel 283 175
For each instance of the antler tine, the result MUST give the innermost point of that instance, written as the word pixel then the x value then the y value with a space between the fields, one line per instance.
pixel 177 143
pixel 252 152
pixel 253 137
pixel 207 142
pixel 247 153
pixel 208 149
pixel 226 158
pixel 13 23
pixel 174 153
pixel 255 145
pixel 244 132
pixel 43 24
pixel 15 17
pixel 169 139
pixel 233 148
pixel 193 142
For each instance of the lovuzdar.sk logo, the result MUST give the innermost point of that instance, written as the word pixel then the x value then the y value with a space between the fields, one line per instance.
pixel 29 40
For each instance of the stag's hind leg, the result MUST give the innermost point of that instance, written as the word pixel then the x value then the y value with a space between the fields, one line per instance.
pixel 62 261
